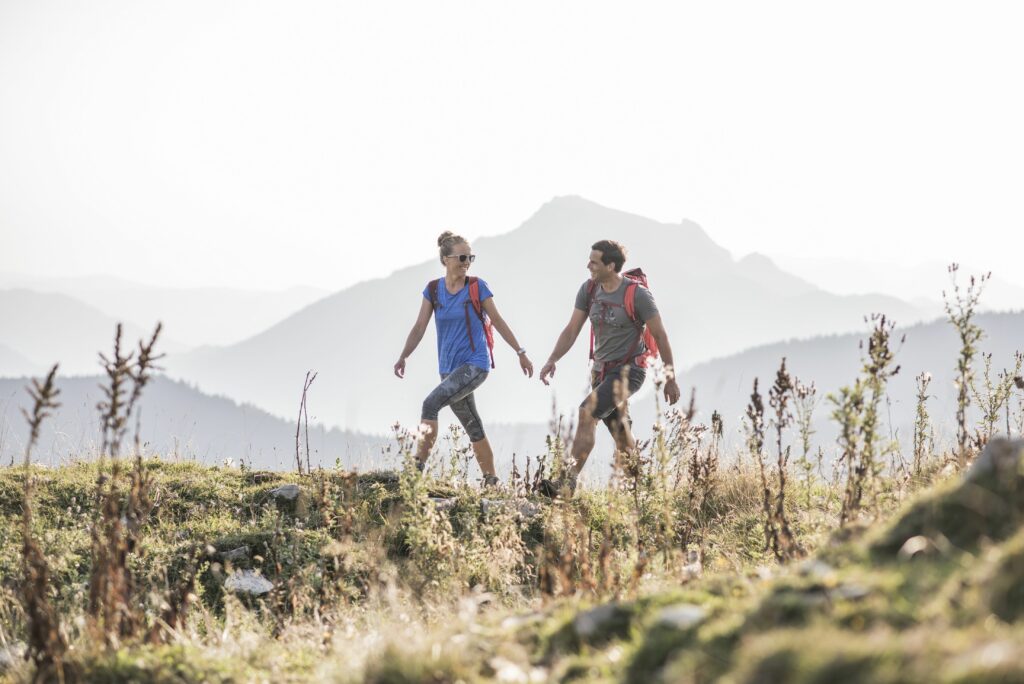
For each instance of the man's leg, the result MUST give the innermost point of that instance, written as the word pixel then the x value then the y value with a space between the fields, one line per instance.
pixel 583 443
pixel 620 427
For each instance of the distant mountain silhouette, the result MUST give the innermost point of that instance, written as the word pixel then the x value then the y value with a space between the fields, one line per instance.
pixel 179 422
pixel 48 328
pixel 192 316
pixel 13 363
pixel 713 305
pixel 833 361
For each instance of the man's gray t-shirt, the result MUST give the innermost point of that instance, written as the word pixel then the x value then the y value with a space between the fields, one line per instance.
pixel 614 332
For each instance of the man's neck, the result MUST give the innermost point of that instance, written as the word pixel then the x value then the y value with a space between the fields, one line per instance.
pixel 611 283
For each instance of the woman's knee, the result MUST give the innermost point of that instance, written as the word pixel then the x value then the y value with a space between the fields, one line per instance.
pixel 430 410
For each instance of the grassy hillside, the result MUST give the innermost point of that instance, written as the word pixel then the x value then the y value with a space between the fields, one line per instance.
pixel 401 578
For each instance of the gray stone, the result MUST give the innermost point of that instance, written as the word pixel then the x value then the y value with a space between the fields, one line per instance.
pixel 248 582
pixel 237 555
pixel 817 569
pixel 916 546
pixel 681 616
pixel 527 509
pixel 10 655
pixel 288 492
pixel 443 504
pixel 850 592
pixel 589 623
pixel 1001 458
pixel 514 622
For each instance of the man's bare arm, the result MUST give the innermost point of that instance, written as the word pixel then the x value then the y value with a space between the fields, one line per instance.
pixel 564 343
pixel 657 330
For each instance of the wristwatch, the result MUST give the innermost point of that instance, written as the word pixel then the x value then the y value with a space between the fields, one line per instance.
pixel 521 351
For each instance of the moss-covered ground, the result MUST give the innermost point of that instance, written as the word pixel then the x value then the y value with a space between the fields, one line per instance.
pixel 392 577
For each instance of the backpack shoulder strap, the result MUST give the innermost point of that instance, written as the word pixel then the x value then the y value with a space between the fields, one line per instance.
pixel 473 283
pixel 432 289
pixel 591 291
pixel 630 300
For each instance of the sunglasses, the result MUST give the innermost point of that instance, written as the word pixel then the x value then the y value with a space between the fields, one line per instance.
pixel 462 257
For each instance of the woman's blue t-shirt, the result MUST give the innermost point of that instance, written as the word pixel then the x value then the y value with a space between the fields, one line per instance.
pixel 453 346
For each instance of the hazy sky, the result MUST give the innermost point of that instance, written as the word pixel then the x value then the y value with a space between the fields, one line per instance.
pixel 265 144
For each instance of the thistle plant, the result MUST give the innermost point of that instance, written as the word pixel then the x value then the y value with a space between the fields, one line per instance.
pixel 857 410
pixel 993 396
pixel 961 306
pixel 1018 382
pixel 924 438
pixel 804 402
pixel 848 413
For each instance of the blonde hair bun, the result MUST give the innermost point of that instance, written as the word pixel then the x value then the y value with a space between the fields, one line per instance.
pixel 443 237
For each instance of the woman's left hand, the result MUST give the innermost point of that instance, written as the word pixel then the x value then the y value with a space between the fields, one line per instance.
pixel 526 365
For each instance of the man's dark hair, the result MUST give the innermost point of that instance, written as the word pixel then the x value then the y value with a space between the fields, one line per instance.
pixel 612 252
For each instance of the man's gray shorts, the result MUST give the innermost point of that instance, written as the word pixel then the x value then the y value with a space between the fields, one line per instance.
pixel 456 390
pixel 609 391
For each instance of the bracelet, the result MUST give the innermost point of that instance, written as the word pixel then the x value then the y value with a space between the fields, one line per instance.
pixel 521 351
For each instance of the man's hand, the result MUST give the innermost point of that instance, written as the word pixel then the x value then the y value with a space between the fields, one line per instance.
pixel 400 368
pixel 671 391
pixel 546 371
pixel 526 365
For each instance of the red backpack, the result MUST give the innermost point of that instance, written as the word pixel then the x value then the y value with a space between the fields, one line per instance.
pixel 472 282
pixel 634 278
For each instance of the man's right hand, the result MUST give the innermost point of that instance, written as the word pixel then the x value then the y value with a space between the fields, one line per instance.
pixel 546 371
pixel 400 368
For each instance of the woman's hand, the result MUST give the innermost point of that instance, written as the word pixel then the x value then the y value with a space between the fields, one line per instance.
pixel 526 365
pixel 400 368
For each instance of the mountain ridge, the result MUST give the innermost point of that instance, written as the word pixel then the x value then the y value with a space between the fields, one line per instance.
pixel 352 337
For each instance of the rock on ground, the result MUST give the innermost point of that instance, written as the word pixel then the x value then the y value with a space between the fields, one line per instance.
pixel 248 582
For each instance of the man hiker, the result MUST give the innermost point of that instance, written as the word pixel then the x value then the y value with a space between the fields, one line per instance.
pixel 626 330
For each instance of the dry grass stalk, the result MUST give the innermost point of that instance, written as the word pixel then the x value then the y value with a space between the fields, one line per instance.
pixel 303 419
pixel 47 644
pixel 113 612
pixel 778 534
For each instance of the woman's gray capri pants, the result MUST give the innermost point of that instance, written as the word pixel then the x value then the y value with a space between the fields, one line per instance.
pixel 456 390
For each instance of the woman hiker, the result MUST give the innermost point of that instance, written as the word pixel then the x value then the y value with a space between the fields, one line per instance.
pixel 464 311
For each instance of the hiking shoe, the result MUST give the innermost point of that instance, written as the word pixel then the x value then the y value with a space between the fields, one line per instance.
pixel 555 488
pixel 490 481
pixel 421 466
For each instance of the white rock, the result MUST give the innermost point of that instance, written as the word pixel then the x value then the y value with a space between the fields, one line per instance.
pixel 248 582
pixel 681 616
pixel 288 492
pixel 587 624
pixel 1001 457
